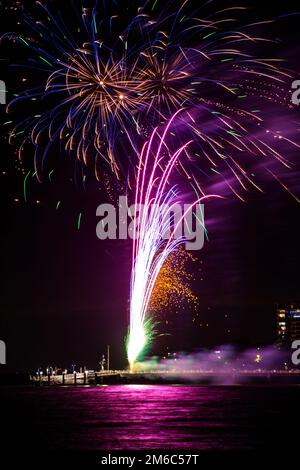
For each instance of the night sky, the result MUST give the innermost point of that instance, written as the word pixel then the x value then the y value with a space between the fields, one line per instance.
pixel 64 293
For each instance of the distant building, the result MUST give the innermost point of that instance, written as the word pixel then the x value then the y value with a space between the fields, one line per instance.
pixel 288 324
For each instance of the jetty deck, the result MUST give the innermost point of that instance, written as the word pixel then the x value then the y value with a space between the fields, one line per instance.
pixel 170 376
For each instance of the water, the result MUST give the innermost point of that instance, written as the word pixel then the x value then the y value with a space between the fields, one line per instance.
pixel 141 417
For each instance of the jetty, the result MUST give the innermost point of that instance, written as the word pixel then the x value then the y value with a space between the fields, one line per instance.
pixel 110 377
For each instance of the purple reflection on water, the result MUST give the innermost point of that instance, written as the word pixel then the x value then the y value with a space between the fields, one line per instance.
pixel 145 416
pixel 148 417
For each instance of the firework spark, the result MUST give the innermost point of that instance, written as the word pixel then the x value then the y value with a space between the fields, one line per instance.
pixel 150 248
pixel 172 287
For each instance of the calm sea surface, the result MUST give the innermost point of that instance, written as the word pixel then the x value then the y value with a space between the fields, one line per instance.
pixel 150 417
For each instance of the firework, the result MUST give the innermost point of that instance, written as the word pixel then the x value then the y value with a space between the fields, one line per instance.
pixel 150 248
pixel 114 76
pixel 111 78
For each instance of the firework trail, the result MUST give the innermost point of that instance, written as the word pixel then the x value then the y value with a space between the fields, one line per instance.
pixel 110 78
pixel 154 198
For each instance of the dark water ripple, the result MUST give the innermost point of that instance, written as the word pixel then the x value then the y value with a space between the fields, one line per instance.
pixel 149 417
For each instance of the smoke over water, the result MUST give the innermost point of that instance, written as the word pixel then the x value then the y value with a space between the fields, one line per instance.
pixel 223 365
